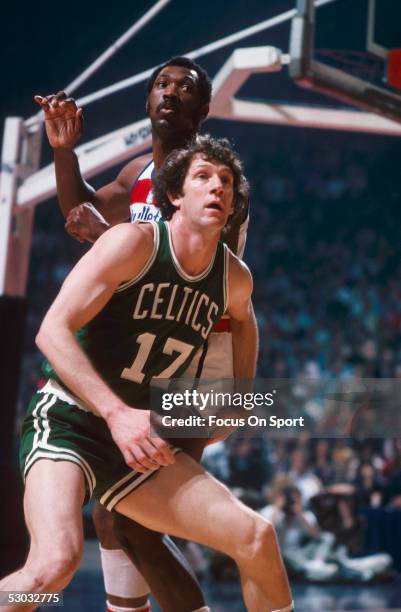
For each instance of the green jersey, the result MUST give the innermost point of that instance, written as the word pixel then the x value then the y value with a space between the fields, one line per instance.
pixel 154 323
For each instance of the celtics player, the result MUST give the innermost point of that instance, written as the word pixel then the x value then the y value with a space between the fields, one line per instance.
pixel 178 99
pixel 143 299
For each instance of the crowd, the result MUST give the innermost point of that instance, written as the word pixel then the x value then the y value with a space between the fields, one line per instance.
pixel 325 254
pixel 321 492
pixel 324 251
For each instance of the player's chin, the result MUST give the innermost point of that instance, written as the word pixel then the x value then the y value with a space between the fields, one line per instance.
pixel 168 123
pixel 214 217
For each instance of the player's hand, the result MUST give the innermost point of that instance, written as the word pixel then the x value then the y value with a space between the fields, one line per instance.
pixel 142 450
pixel 63 120
pixel 85 223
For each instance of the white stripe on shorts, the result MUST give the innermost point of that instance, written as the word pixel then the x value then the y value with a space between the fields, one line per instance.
pixel 36 423
pixel 109 505
pixel 128 489
pixel 41 419
pixel 59 455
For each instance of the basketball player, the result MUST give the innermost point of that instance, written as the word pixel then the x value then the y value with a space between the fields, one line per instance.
pixel 159 288
pixel 178 101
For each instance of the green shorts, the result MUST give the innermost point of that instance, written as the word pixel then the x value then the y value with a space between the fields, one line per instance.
pixel 56 428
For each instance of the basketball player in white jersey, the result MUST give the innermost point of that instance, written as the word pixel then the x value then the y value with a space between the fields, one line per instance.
pixel 179 93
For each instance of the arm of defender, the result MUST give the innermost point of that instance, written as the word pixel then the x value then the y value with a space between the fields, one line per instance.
pixel 71 187
pixel 111 204
pixel 84 293
pixel 64 123
pixel 113 200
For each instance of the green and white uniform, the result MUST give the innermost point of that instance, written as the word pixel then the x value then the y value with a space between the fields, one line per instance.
pixel 151 327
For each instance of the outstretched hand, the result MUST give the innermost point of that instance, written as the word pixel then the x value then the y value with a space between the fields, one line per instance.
pixel 142 450
pixel 63 120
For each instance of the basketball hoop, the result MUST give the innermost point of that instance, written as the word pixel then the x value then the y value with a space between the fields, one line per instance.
pixel 361 64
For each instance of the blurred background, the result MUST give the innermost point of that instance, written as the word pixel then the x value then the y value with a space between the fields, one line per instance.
pixel 324 249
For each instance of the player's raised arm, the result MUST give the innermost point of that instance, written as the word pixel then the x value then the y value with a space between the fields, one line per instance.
pixel 64 125
pixel 243 323
pixel 86 290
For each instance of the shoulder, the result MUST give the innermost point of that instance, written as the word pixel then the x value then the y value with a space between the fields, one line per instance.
pixel 127 245
pixel 131 171
pixel 128 236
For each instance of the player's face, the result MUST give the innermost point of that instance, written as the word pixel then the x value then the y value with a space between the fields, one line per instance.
pixel 173 102
pixel 208 193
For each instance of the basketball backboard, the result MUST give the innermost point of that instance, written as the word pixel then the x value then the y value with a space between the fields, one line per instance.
pixel 342 50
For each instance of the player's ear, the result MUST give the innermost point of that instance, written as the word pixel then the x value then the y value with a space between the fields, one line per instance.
pixel 175 200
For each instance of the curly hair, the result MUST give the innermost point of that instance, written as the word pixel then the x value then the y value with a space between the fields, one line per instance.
pixel 171 177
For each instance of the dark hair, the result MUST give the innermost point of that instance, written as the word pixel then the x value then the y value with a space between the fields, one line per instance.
pixel 204 82
pixel 171 177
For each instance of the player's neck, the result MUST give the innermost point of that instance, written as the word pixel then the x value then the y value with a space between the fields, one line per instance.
pixel 194 247
pixel 162 147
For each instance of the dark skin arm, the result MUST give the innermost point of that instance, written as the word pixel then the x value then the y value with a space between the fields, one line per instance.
pixel 64 125
pixel 112 201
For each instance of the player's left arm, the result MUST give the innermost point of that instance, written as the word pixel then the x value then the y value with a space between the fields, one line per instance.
pixel 244 332
pixel 243 322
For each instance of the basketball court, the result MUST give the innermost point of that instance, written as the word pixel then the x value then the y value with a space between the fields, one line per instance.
pixel 85 593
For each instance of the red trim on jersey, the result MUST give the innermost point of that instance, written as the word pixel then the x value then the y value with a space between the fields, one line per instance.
pixel 140 191
pixel 142 185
